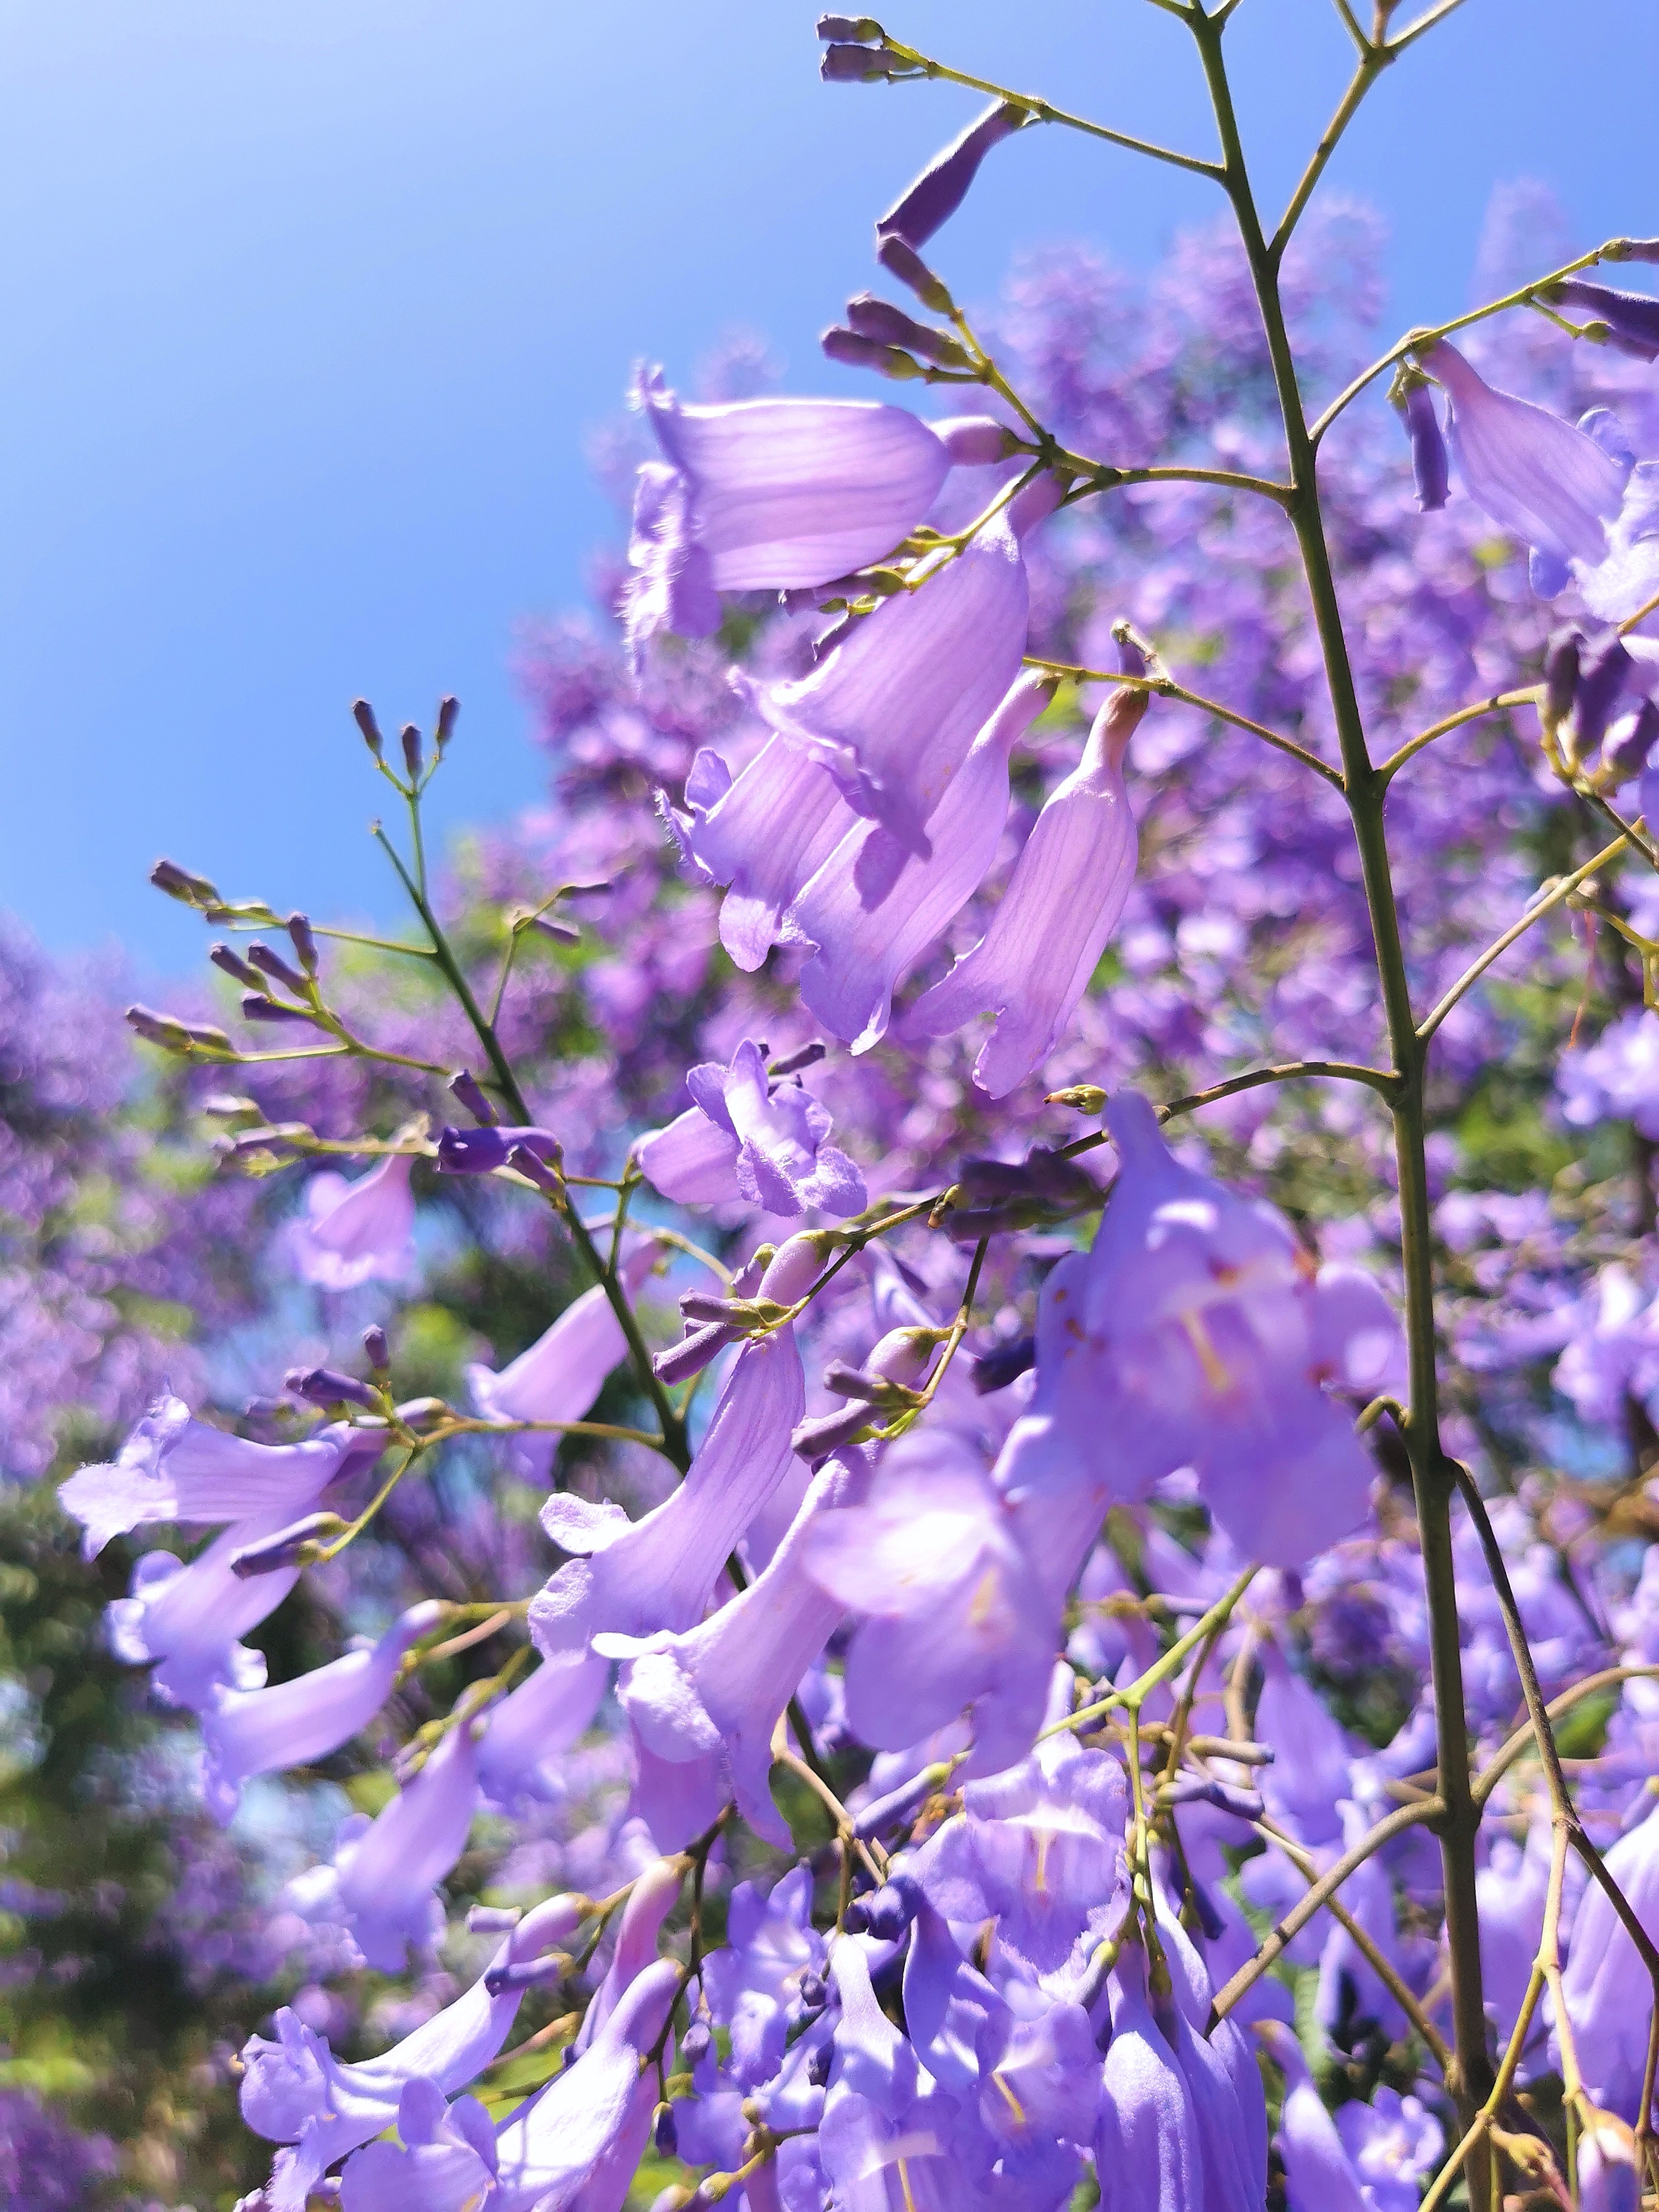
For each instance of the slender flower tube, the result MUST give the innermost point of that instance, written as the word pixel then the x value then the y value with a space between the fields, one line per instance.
pixel 1631 318
pixel 558 1378
pixel 868 937
pixel 1608 1993
pixel 712 1695
pixel 1319 2175
pixel 186 1620
pixel 381 1885
pixel 1551 484
pixel 1430 469
pixel 296 2092
pixel 928 205
pixel 524 1734
pixel 1147 2134
pixel 635 1576
pixel 356 1232
pixel 892 711
pixel 249 1732
pixel 1062 903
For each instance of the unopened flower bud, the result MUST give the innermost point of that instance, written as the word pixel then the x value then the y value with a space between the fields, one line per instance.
pixel 273 964
pixel 158 1029
pixel 179 883
pixel 702 1306
pixel 493 1919
pixel 482 1151
pixel 256 1007
pixel 900 1806
pixel 363 715
pixel 816 1439
pixel 903 263
pixel 449 710
pixel 1086 1097
pixel 872 318
pixel 413 759
pixel 205 1034
pixel 1601 674
pixel 859 64
pixel 226 957
pixel 804 1055
pixel 814 1991
pixel 1431 469
pixel 1631 249
pixel 862 30
pixel 694 2043
pixel 1627 753
pixel 328 1386
pixel 940 189
pixel 695 1351
pixel 294 1546
pixel 1003 1363
pixel 376 1350
pixel 856 352
pixel 1631 319
pixel 526 1973
pixel 664 2134
pixel 534 1168
pixel 304 943
pixel 1561 659
pixel 467 1089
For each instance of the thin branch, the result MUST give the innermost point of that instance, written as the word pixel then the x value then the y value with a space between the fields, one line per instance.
pixel 1495 704
pixel 1164 687
pixel 1373 60
pixel 1471 975
pixel 1499 1764
pixel 1424 24
pixel 1383 1080
pixel 1351 25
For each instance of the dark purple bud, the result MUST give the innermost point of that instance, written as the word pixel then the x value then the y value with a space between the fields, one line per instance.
pixel 940 189
pixel 305 944
pixel 529 1162
pixel 257 1008
pixel 814 1991
pixel 855 352
pixel 899 1806
pixel 467 1092
pixel 203 1033
pixel 376 1350
pixel 448 714
pixel 694 2043
pixel 1601 674
pixel 1193 1788
pixel 526 1975
pixel 852 1382
pixel 815 1440
pixel 1003 1363
pixel 179 883
pixel 493 1919
pixel 1431 470
pixel 294 1546
pixel 891 1909
pixel 481 1151
pixel 413 759
pixel 804 1055
pixel 273 964
pixel 1561 658
pixel 856 1918
pixel 871 318
pixel 693 1353
pixel 158 1029
pixel 1628 754
pixel 705 1306
pixel 904 263
pixel 850 65
pixel 818 2065
pixel 863 30
pixel 224 957
pixel 664 2134
pixel 327 1386
pixel 1043 1189
pixel 364 714
pixel 1631 318
pixel 1209 1919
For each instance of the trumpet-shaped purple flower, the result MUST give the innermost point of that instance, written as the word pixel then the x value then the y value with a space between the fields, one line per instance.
pixel 866 944
pixel 952 1608
pixel 1609 2177
pixel 636 1576
pixel 1394 2144
pixel 249 1732
pixel 1039 2088
pixel 525 1733
pixel 1193 1335
pixel 356 1232
pixel 1319 2175
pixel 773 1138
pixel 712 1695
pixel 381 1885
pixel 765 834
pixel 1617 586
pixel 926 205
pixel 771 494
pixel 174 1468
pixel 443 2160
pixel 1608 1994
pixel 1551 484
pixel 186 1620
pixel 1062 903
pixel 558 1378
pixel 1146 2136
pixel 753 1982
pixel 296 2092
pixel 892 711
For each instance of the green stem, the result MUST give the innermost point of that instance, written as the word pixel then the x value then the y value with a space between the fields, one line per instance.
pixel 1460 1820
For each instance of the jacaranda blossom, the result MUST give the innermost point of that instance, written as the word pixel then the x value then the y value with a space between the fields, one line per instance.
pixel 356 1232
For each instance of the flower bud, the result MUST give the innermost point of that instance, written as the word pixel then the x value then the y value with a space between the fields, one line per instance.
pixel 664 2136
pixel 1630 319
pixel 231 962
pixel 862 30
pixel 364 714
pixel 1431 469
pixel 1003 1363
pixel 1627 754
pixel 273 964
pixel 257 1008
pixel 305 944
pixel 413 759
pixel 1631 249
pixel 694 2043
pixel 694 1352
pixel 467 1092
pixel 328 1386
pixel 158 1029
pixel 177 883
pixel 294 1546
pixel 205 1034
pixel 856 352
pixel 942 186
pixel 868 317
pixel 906 264
pixel 850 65
pixel 449 710
pixel 804 1055
pixel 534 1168
pixel 816 1439
pixel 1561 658
pixel 376 1350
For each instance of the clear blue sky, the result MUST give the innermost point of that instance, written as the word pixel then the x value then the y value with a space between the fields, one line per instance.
pixel 308 303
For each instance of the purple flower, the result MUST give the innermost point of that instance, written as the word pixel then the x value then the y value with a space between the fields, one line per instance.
pixel 1319 2175
pixel 1394 2144
pixel 1616 587
pixel 1193 1335
pixel 1550 484
pixel 1608 1994
pixel 356 1232
pixel 1429 465
pixel 636 1576
pixel 1051 926
pixel 382 1884
pixel 296 2092
pixel 892 711
pixel 1631 318
pixel 443 2160
pixel 868 932
pixel 952 1609
pixel 753 1983
pixel 770 494
pixel 174 1468
pixel 249 1732
pixel 711 1695
pixel 558 1378
pixel 939 191
pixel 1609 2177
pixel 186 1620
pixel 525 1733
pixel 773 1138
pixel 1146 2136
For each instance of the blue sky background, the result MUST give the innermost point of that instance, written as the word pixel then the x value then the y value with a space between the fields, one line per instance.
pixel 308 304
